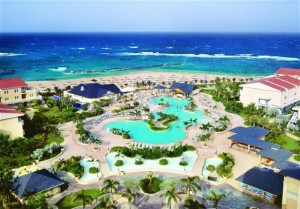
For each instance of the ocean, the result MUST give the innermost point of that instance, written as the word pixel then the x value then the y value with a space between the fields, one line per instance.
pixel 66 56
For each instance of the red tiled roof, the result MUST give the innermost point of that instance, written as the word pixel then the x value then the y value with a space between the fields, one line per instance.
pixel 288 71
pixel 280 83
pixel 290 79
pixel 12 83
pixel 271 85
pixel 7 109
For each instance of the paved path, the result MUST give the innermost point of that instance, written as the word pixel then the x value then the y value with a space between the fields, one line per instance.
pixel 219 143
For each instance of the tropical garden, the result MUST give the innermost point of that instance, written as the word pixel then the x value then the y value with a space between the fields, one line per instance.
pixel 227 91
pixel 162 123
pixel 153 153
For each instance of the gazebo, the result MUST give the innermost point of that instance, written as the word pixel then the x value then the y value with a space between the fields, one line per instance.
pixel 182 88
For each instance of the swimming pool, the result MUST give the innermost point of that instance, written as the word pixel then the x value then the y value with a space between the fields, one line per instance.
pixel 173 163
pixel 140 131
pixel 87 163
pixel 215 161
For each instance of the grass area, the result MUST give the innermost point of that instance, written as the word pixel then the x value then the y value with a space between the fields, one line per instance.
pixel 53 138
pixel 297 134
pixel 291 144
pixel 67 203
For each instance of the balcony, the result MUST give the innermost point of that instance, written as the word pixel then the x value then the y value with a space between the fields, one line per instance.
pixel 17 101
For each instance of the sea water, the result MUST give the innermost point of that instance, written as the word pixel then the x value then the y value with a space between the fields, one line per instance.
pixel 66 56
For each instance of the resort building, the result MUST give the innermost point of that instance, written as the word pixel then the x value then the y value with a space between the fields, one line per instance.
pixel 182 88
pixel 291 183
pixel 15 91
pixel 249 138
pixel 275 174
pixel 10 122
pixel 261 182
pixel 35 182
pixel 87 93
pixel 279 91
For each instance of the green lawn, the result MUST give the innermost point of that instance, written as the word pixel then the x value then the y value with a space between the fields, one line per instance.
pixel 66 202
pixel 291 144
pixel 53 138
pixel 297 134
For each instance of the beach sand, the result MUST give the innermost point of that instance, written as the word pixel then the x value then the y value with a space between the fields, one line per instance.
pixel 132 78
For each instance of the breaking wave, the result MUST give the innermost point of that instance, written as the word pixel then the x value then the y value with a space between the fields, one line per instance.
pixel 218 56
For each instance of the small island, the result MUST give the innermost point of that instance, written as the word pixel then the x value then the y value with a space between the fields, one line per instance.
pixel 162 123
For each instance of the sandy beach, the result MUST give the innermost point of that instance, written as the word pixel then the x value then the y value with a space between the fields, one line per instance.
pixel 131 78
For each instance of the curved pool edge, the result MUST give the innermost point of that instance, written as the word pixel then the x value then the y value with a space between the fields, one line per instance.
pixel 165 168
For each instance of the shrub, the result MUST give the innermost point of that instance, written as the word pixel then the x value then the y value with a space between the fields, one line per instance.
pixel 119 163
pixel 13 205
pixel 47 152
pixel 126 136
pixel 183 163
pixel 163 161
pixel 225 168
pixel 71 165
pixel 85 106
pixel 211 168
pixel 297 157
pixel 93 170
pixel 139 162
pixel 148 187
pixel 257 198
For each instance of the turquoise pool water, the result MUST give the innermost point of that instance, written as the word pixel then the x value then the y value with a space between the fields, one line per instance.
pixel 215 161
pixel 173 163
pixel 140 131
pixel 87 163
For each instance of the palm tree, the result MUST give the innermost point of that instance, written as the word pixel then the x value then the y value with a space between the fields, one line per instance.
pixel 146 109
pixel 215 197
pixel 151 117
pixel 105 203
pixel 191 203
pixel 112 186
pixel 191 184
pixel 150 177
pixel 171 195
pixel 78 120
pixel 130 196
pixel 119 155
pixel 83 197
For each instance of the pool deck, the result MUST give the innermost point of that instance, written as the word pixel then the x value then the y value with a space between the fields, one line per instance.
pixel 218 143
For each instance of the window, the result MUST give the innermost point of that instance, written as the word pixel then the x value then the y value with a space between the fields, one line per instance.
pixel 16 90
pixel 5 92
pixel 16 97
pixel 31 95
pixel 6 99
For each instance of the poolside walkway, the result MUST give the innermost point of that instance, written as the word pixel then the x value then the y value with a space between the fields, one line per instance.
pixel 218 144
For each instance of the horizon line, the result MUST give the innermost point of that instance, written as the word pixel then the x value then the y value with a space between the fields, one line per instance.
pixel 142 32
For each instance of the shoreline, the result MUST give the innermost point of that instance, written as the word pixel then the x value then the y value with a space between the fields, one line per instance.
pixel 132 77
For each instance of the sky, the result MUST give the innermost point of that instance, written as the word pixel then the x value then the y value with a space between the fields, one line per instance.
pixel 255 16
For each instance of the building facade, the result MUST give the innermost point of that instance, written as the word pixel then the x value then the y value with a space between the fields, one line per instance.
pixel 87 93
pixel 291 193
pixel 10 122
pixel 278 91
pixel 15 91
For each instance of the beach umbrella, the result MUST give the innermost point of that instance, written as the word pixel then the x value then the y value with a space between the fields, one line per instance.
pixel 94 80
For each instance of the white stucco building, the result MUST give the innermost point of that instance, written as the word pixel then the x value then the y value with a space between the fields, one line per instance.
pixel 280 90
